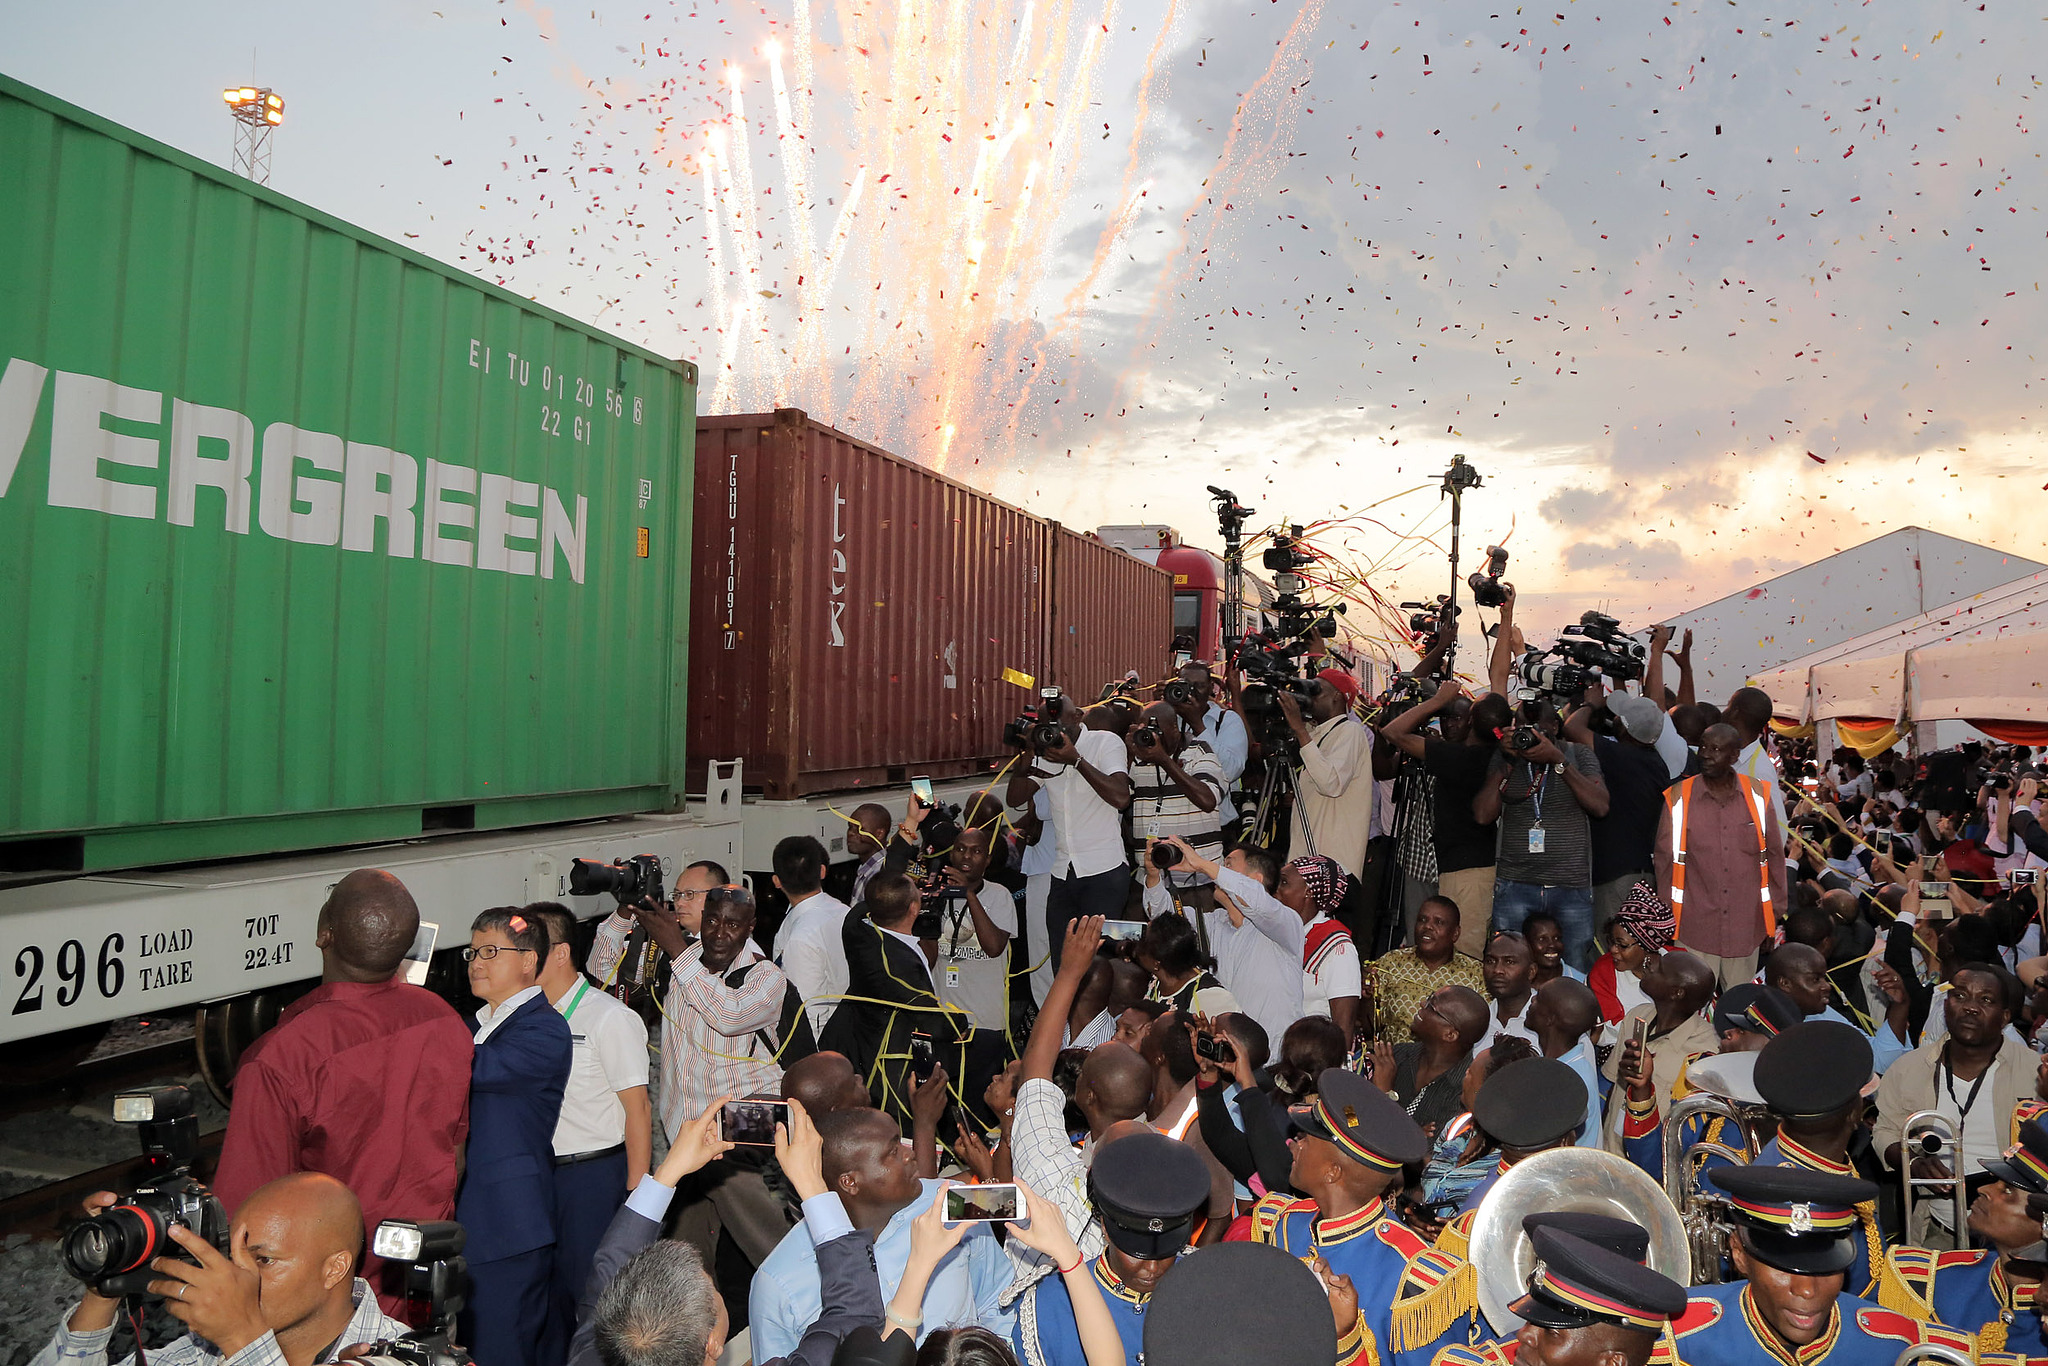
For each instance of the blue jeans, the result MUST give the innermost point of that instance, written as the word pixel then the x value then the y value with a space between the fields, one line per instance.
pixel 1573 907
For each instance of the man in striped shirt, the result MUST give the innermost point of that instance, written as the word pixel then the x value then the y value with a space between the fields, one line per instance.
pixel 719 1036
pixel 1177 788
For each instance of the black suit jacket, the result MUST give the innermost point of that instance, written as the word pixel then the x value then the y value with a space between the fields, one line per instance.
pixel 876 1037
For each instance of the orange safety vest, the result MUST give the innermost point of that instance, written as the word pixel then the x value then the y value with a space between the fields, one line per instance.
pixel 1758 795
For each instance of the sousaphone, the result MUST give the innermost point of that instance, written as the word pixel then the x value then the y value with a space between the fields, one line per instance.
pixel 1566 1180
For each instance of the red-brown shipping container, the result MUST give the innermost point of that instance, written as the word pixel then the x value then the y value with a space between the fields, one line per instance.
pixel 1111 613
pixel 853 615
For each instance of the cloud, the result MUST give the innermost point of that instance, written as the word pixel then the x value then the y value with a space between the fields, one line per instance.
pixel 1657 558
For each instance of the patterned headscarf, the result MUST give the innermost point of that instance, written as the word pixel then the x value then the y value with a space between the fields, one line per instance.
pixel 1648 918
pixel 1325 879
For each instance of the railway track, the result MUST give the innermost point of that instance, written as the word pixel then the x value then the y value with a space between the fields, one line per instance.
pixel 51 1129
pixel 47 1210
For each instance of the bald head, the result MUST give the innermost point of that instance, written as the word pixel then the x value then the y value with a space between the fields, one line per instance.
pixel 1467 1011
pixel 306 1232
pixel 1692 980
pixel 1571 1004
pixel 368 923
pixel 1840 904
pixel 854 1142
pixel 825 1082
pixel 1115 1084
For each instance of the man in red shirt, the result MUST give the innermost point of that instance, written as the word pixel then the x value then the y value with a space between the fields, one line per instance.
pixel 365 1078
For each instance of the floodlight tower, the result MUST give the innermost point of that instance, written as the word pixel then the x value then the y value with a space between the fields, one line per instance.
pixel 257 112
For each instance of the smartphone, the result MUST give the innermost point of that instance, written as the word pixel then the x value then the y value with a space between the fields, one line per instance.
pixel 2023 877
pixel 1881 841
pixel 922 1057
pixel 1123 931
pixel 995 1203
pixel 921 788
pixel 1934 891
pixel 752 1122
pixel 1215 1048
pixel 1640 1033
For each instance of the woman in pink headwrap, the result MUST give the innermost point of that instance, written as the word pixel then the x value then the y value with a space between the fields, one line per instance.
pixel 1332 980
pixel 1643 928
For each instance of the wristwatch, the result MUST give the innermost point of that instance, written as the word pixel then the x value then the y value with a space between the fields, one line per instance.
pixel 1558 767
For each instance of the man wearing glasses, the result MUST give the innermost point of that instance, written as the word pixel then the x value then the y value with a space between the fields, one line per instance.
pixel 507 1200
pixel 719 1037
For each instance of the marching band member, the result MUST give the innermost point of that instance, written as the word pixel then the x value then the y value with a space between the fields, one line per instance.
pixel 1586 1304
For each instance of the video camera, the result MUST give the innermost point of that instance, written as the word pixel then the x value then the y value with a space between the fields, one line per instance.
pixel 1269 669
pixel 936 838
pixel 1039 730
pixel 630 880
pixel 435 1272
pixel 1427 618
pixel 111 1253
pixel 1487 589
pixel 1595 648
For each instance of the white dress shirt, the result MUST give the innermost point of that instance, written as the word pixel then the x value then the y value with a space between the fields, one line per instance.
pixel 610 1056
pixel 1223 731
pixel 813 956
pixel 489 1017
pixel 1090 831
pixel 1039 858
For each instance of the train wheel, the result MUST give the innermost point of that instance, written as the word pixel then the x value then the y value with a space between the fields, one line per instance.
pixel 223 1030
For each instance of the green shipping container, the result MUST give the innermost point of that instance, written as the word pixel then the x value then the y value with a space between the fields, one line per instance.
pixel 306 539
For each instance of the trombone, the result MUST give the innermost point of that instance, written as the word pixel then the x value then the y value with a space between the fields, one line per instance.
pixel 1929 1134
pixel 1704 1214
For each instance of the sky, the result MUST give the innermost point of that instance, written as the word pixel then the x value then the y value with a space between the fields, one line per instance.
pixel 1706 291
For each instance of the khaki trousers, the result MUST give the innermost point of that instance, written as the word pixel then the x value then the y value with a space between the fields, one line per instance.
pixel 1471 890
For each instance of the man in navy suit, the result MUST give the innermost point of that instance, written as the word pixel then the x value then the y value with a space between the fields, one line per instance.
pixel 507 1200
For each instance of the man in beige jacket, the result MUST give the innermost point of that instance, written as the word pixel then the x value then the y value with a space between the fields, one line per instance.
pixel 1972 1078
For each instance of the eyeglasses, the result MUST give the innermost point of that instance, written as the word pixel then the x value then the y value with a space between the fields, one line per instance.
pixel 682 895
pixel 489 951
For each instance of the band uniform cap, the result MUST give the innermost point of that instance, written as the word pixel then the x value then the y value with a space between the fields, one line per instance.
pixel 2025 1165
pixel 1576 1284
pixel 1240 1302
pixel 1755 1009
pixel 1622 1237
pixel 1363 1122
pixel 1796 1220
pixel 1148 1188
pixel 1639 716
pixel 1814 1068
pixel 1530 1103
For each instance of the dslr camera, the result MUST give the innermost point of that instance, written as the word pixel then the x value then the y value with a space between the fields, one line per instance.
pixel 630 880
pixel 936 838
pixel 1487 590
pixel 1039 730
pixel 1178 692
pixel 435 1272
pixel 111 1253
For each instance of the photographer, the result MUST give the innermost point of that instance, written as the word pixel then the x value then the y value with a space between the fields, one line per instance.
pixel 976 919
pixel 1333 801
pixel 670 929
pixel 1256 939
pixel 1219 727
pixel 894 996
pixel 1089 787
pixel 807 945
pixel 1177 789
pixel 284 1294
pixel 1457 764
pixel 1636 772
pixel 1544 798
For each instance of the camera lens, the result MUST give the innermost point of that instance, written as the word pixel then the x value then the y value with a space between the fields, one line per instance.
pixel 121 1238
pixel 592 879
pixel 1165 856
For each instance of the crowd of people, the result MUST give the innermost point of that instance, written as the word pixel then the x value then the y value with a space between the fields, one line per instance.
pixel 1252 1096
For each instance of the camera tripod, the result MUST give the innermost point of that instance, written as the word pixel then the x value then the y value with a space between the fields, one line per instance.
pixel 1278 792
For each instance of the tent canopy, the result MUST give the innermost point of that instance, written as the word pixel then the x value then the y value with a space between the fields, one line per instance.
pixel 1994 678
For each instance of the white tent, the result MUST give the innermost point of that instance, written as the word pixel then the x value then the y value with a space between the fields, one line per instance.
pixel 1995 678
pixel 1937 668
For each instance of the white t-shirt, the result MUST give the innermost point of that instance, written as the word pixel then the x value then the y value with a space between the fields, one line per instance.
pixel 969 978
pixel 610 1057
pixel 811 953
pixel 1090 831
pixel 1335 972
